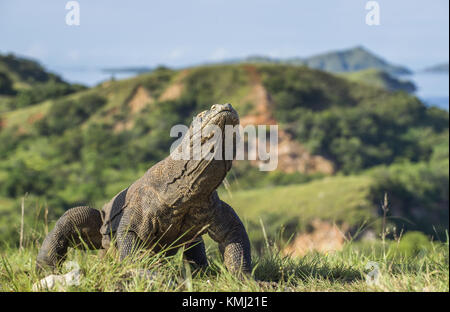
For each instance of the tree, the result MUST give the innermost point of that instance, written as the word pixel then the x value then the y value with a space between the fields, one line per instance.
pixel 6 85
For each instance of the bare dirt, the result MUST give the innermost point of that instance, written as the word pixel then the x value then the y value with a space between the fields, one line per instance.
pixel 324 238
pixel 36 117
pixel 174 90
pixel 140 99
pixel 292 156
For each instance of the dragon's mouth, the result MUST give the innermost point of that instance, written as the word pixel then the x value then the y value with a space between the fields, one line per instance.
pixel 224 115
pixel 208 134
pixel 219 116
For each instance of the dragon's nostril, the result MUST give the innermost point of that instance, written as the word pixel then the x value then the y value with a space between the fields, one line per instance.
pixel 214 107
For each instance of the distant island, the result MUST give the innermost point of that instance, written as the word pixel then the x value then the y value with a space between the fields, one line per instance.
pixel 350 60
pixel 440 68
pixel 134 70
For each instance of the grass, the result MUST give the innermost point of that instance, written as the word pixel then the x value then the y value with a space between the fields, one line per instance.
pixel 340 199
pixel 327 198
pixel 379 79
pixel 408 264
pixel 341 271
pixel 21 117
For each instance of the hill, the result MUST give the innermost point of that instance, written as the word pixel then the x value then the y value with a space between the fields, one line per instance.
pixel 381 79
pixel 84 147
pixel 350 60
pixel 25 82
pixel 24 72
pixel 440 68
pixel 354 59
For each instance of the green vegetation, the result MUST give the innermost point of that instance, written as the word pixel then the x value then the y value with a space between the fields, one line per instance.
pixel 244 177
pixel 29 82
pixel 356 126
pixel 380 79
pixel 350 60
pixel 6 85
pixel 84 147
pixel 24 71
pixel 401 267
pixel 292 208
pixel 217 84
pixel 410 263
pixel 66 114
pixel 354 59
pixel 43 91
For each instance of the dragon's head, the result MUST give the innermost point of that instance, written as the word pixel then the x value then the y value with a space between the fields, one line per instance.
pixel 216 118
pixel 206 152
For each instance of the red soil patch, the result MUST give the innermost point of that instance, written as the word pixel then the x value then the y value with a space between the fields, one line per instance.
pixel 174 90
pixel 139 100
pixel 33 118
pixel 292 156
pixel 324 238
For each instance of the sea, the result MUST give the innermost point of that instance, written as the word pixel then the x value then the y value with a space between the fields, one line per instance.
pixel 432 88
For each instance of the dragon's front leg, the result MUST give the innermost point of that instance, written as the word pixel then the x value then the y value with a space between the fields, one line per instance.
pixel 78 227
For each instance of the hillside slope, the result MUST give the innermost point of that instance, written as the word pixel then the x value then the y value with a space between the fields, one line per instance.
pixel 25 72
pixel 341 200
pixel 354 59
pixel 348 60
pixel 25 82
pixel 381 79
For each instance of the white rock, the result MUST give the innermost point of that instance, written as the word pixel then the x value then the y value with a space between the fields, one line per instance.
pixel 60 282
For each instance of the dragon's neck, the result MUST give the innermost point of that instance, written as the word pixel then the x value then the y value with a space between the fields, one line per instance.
pixel 181 180
pixel 187 180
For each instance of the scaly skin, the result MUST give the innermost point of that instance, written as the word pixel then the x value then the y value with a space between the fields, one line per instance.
pixel 173 204
pixel 78 227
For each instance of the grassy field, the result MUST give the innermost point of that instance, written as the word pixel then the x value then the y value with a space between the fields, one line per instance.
pixel 346 270
pixel 292 208
pixel 410 263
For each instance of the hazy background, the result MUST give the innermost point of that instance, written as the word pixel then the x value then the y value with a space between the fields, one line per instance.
pixel 412 32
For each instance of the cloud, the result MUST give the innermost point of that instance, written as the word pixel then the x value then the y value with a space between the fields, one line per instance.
pixel 73 55
pixel 37 51
pixel 218 54
pixel 176 53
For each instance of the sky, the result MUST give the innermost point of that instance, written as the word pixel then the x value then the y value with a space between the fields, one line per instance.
pixel 177 33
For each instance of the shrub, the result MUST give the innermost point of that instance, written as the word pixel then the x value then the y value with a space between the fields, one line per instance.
pixel 413 243
pixel 6 85
pixel 68 113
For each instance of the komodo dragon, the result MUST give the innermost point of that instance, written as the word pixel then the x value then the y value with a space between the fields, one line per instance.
pixel 175 201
